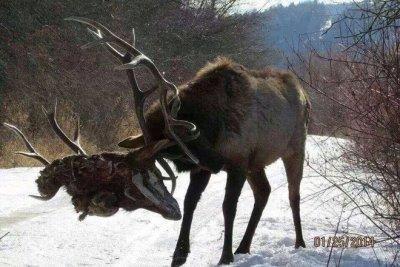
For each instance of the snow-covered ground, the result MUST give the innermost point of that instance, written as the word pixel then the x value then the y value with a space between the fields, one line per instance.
pixel 49 233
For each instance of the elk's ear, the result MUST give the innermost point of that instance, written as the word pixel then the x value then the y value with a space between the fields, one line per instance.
pixel 136 141
pixel 153 148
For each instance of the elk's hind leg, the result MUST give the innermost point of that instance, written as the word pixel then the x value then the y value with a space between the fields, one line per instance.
pixel 198 182
pixel 294 171
pixel 261 190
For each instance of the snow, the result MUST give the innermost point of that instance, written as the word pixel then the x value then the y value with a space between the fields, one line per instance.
pixel 49 233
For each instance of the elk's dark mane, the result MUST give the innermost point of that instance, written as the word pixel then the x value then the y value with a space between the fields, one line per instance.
pixel 216 98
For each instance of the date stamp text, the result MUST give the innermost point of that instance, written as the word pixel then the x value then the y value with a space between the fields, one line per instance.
pixel 344 241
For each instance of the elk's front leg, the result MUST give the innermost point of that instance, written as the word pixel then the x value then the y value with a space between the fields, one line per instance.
pixel 234 185
pixel 198 182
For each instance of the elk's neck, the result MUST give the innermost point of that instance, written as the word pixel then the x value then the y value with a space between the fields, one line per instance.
pixel 192 109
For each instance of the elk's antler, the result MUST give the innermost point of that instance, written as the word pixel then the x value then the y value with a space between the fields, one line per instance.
pixel 74 145
pixel 131 60
pixel 31 154
pixel 32 151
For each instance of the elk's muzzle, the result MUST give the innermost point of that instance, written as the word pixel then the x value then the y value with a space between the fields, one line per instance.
pixel 150 185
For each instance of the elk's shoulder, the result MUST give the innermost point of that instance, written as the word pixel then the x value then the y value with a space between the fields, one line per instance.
pixel 221 77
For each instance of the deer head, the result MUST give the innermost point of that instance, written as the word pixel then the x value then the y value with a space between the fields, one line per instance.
pixel 101 184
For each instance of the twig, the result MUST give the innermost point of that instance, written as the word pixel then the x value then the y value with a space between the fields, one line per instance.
pixel 4 235
pixel 336 231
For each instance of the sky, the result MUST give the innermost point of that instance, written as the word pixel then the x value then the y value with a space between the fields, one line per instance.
pixel 262 4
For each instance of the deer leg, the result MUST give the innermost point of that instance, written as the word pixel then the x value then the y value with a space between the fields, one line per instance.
pixel 261 190
pixel 198 182
pixel 294 171
pixel 234 185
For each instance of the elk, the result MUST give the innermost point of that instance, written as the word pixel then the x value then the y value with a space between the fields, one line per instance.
pixel 227 118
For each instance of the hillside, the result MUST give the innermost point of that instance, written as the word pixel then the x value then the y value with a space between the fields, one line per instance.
pixel 290 27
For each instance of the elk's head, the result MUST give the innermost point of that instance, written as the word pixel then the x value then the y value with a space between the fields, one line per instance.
pixel 101 184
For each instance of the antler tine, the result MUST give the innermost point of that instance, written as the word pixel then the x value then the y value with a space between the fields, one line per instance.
pixel 97 34
pixel 77 133
pixel 32 152
pixel 111 37
pixel 170 173
pixel 133 37
pixel 74 145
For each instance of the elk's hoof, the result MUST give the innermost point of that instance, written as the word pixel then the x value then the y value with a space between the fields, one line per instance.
pixel 241 250
pixel 300 244
pixel 179 257
pixel 226 259
pixel 178 261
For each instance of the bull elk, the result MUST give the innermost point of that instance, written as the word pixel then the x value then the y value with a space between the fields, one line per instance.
pixel 226 118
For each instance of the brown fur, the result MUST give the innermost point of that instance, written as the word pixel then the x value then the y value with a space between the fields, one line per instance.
pixel 248 117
